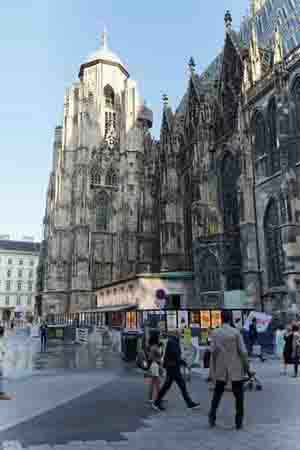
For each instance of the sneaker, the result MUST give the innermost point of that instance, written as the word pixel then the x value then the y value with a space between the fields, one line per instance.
pixel 4 396
pixel 194 406
pixel 157 407
pixel 239 426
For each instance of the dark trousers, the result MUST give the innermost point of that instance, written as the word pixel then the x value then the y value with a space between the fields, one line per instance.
pixel 296 364
pixel 43 342
pixel 238 392
pixel 174 374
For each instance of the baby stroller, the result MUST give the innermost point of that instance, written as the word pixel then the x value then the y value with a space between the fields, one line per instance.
pixel 251 383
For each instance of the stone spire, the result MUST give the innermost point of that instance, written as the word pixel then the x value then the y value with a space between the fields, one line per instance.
pixel 192 65
pixel 165 99
pixel 228 20
pixel 104 39
pixel 256 5
pixel 278 47
pixel 255 59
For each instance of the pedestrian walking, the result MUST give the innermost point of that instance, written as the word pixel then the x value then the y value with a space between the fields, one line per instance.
pixel 173 363
pixel 296 349
pixel 155 367
pixel 229 363
pixel 280 343
pixel 288 348
pixel 3 395
pixel 44 336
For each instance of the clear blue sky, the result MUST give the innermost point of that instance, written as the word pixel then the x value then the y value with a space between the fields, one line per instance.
pixel 42 44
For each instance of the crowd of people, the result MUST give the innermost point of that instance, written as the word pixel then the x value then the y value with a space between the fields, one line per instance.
pixel 228 364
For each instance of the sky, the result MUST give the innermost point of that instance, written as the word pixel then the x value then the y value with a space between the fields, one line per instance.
pixel 43 43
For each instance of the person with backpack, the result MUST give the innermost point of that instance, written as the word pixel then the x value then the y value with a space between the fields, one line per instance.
pixel 173 363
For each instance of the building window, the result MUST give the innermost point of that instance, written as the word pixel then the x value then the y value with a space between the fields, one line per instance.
pixel 7 300
pixel 260 136
pixel 29 300
pixel 296 98
pixel 111 178
pixel 30 273
pixel 21 262
pixel 32 262
pixel 95 176
pixel 30 284
pixel 19 285
pixel 18 300
pixel 273 244
pixel 103 211
pixel 8 273
pixel 230 194
pixel 210 274
pixel 8 285
pixel 109 96
pixel 20 273
pixel 274 156
pixel 9 261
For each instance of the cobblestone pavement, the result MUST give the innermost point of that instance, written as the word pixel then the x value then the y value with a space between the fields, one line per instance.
pixel 106 409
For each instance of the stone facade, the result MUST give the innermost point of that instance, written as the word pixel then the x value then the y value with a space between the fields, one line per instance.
pixel 235 142
pixel 218 195
pixel 100 223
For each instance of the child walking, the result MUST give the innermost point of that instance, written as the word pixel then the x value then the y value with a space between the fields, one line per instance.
pixel 3 395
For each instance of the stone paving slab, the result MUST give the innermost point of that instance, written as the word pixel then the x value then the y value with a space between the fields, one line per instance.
pixel 32 398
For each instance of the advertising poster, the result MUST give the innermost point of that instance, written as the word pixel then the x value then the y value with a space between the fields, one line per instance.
pixel 171 320
pixel 262 321
pixel 216 319
pixel 205 319
pixel 183 319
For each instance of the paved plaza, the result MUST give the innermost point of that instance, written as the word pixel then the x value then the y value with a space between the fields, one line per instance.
pixel 84 397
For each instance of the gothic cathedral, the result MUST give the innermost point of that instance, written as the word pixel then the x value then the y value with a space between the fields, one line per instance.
pixel 218 195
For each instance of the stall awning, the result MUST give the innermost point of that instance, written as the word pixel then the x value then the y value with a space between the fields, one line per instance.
pixel 114 308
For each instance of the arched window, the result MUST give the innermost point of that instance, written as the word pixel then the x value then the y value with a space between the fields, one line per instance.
pixel 210 274
pixel 274 156
pixel 103 212
pixel 111 178
pixel 109 96
pixel 296 98
pixel 260 136
pixel 95 176
pixel 273 244
pixel 230 176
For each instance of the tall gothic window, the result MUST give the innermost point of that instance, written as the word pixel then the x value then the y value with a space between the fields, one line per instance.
pixel 274 157
pixel 188 237
pixel 109 96
pixel 260 136
pixel 103 212
pixel 210 274
pixel 111 178
pixel 230 193
pixel 296 97
pixel 273 242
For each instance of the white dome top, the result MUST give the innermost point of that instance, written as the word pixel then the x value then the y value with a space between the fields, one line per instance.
pixel 104 53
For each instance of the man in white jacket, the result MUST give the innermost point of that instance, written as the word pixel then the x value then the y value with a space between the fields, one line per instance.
pixel 3 395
